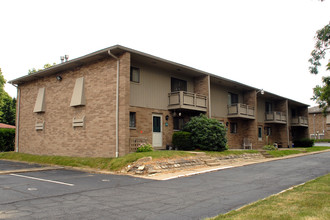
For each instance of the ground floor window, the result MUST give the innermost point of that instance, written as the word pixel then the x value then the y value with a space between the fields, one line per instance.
pixel 259 133
pixel 233 127
pixel 132 119
pixel 178 123
pixel 268 131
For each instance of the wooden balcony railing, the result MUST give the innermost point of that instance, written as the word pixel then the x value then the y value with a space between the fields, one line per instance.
pixel 240 110
pixel 187 100
pixel 299 121
pixel 275 117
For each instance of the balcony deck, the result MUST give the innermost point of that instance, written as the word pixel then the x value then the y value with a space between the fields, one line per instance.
pixel 299 121
pixel 276 118
pixel 187 100
pixel 240 110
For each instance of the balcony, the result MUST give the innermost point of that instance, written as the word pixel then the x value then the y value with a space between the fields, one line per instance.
pixel 275 117
pixel 187 100
pixel 299 121
pixel 240 110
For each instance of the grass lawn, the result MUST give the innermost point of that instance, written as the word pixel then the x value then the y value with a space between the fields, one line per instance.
pixel 282 153
pixel 97 163
pixel 309 201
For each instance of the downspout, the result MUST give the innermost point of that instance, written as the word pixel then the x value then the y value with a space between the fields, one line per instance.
pixel 117 104
pixel 18 101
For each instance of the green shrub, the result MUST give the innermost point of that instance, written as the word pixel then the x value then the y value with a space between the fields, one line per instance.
pixel 144 148
pixel 269 147
pixel 306 142
pixel 7 139
pixel 322 140
pixel 182 140
pixel 207 134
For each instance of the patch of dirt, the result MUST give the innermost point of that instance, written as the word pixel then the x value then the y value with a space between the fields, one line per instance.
pixel 147 166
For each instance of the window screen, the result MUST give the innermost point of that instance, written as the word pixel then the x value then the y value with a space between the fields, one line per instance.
pixel 135 75
pixel 178 85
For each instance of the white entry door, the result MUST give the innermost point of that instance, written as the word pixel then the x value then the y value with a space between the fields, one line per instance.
pixel 157 135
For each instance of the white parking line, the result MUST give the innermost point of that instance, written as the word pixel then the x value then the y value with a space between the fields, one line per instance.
pixel 45 180
pixel 204 171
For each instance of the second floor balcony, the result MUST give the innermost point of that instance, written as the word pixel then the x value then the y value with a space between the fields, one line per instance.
pixel 299 121
pixel 187 100
pixel 239 110
pixel 276 117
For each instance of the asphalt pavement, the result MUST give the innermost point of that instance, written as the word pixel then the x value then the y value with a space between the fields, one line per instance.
pixel 67 194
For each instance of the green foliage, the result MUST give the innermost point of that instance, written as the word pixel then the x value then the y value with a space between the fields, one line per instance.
pixel 321 93
pixel 207 134
pixel 7 104
pixel 322 140
pixel 7 109
pixel 306 142
pixel 182 140
pixel 269 147
pixel 144 148
pixel 7 139
pixel 34 70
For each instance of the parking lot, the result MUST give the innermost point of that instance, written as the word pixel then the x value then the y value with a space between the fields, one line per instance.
pixel 67 194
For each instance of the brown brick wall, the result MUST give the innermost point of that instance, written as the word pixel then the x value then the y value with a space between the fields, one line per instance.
pixel 124 98
pixel 144 124
pixel 97 138
pixel 201 86
pixel 318 124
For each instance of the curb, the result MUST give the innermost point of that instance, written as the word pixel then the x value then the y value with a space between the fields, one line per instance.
pixel 30 170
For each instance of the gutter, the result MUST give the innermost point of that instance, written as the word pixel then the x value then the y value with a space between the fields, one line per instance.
pixel 117 103
pixel 18 101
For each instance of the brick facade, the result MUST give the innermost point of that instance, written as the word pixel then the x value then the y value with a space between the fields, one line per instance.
pixel 144 124
pixel 318 125
pixel 97 137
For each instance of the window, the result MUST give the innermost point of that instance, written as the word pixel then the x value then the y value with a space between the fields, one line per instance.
pixel 132 119
pixel 293 113
pixel 269 107
pixel 328 118
pixel 259 133
pixel 135 75
pixel 178 85
pixel 233 128
pixel 178 123
pixel 268 131
pixel 232 98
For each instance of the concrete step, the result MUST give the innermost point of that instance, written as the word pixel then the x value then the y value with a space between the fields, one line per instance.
pixel 216 163
pixel 265 154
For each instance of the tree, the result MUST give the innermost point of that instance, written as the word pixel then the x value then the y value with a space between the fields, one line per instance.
pixel 322 45
pixel 34 70
pixel 7 104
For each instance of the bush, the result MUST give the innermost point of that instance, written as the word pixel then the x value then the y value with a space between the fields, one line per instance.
pixel 144 148
pixel 7 139
pixel 182 140
pixel 206 133
pixel 306 142
pixel 269 147
pixel 322 140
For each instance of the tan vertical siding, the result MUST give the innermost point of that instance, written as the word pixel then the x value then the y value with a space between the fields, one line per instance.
pixel 219 99
pixel 154 86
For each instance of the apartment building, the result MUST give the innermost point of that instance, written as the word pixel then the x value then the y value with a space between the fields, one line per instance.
pixel 106 103
pixel 319 123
